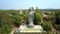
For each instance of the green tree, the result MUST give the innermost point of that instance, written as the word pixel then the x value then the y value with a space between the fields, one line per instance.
pixel 16 18
pixel 37 18
pixel 6 24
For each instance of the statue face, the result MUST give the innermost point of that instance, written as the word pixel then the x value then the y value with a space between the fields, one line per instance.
pixel 31 9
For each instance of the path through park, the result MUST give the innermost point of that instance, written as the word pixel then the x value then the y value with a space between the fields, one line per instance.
pixel 13 30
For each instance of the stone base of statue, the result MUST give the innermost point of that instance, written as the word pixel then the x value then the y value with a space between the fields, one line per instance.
pixel 29 29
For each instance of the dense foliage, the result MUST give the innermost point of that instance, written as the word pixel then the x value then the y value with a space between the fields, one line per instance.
pixel 8 18
pixel 37 18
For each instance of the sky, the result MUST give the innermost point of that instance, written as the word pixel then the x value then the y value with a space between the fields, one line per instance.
pixel 25 4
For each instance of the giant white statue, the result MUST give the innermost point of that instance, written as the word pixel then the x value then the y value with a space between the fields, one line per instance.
pixel 30 27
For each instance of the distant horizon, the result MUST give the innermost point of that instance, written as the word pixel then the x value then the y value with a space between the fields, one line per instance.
pixel 27 9
pixel 26 4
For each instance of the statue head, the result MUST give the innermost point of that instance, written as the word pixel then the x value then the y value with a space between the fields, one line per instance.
pixel 31 9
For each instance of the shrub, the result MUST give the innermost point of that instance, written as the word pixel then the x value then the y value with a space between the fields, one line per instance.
pixel 6 30
pixel 47 26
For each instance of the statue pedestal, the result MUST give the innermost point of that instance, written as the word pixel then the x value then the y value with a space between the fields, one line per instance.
pixel 25 29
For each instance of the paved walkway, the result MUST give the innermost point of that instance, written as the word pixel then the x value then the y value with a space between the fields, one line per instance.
pixel 13 30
